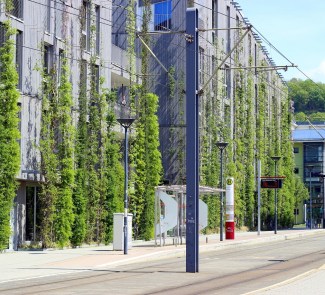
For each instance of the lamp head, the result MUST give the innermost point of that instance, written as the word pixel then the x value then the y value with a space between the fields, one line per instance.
pixel 125 122
pixel 221 145
pixel 275 158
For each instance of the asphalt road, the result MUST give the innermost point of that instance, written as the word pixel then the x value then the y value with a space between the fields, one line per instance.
pixel 240 270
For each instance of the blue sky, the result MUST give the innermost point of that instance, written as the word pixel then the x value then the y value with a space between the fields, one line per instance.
pixel 296 28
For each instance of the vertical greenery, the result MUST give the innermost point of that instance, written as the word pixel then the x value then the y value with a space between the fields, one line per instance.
pixel 80 189
pixel 114 172
pixel 147 160
pixel 49 159
pixel 249 138
pixel 96 158
pixel 9 133
pixel 146 18
pixel 64 217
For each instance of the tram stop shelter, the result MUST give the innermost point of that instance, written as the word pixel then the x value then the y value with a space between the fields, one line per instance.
pixel 170 211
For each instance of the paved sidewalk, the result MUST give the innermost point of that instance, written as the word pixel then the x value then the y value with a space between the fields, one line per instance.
pixel 23 265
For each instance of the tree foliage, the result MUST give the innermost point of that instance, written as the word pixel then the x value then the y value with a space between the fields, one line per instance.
pixel 308 96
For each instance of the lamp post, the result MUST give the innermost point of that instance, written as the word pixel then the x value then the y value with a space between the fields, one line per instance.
pixel 322 175
pixel 310 168
pixel 275 159
pixel 125 123
pixel 221 146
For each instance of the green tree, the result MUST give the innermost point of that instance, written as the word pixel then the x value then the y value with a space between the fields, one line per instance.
pixel 308 96
pixel 9 133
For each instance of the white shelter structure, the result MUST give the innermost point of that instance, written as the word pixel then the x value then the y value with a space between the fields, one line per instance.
pixel 170 211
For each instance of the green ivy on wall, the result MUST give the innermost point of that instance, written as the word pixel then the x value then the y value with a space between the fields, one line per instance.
pixel 9 133
pixel 64 216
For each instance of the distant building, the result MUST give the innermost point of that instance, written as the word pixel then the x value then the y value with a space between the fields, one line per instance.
pixel 309 151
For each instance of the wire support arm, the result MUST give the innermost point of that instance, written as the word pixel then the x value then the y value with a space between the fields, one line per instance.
pixel 155 57
pixel 248 29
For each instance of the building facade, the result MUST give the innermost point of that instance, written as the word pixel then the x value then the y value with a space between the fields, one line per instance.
pixel 95 36
pixel 47 31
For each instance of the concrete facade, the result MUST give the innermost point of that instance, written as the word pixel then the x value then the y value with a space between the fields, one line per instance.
pixel 221 25
pixel 45 29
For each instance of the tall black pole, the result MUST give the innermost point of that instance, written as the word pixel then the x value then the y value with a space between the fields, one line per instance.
pixel 323 201
pixel 276 205
pixel 192 142
pixel 125 123
pixel 221 146
pixel 221 195
pixel 310 201
pixel 126 203
pixel 275 159
pixel 322 175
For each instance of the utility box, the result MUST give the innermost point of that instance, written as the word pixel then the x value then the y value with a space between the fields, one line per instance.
pixel 118 233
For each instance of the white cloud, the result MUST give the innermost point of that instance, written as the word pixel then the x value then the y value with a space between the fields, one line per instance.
pixel 318 73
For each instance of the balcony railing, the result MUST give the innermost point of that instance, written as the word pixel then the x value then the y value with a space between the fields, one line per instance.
pixel 162 22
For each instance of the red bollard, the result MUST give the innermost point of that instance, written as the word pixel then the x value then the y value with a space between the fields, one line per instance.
pixel 230 209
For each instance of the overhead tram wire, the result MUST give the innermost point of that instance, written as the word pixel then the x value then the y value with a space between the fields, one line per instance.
pixel 112 25
pixel 253 27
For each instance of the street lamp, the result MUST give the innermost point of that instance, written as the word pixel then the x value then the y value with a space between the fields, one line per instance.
pixel 310 168
pixel 275 159
pixel 221 146
pixel 322 175
pixel 126 123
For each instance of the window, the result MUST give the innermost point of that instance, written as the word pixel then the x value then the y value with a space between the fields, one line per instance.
pixel 83 78
pixel 17 10
pixel 19 122
pixel 32 213
pixel 214 18
pixel 296 170
pixel 162 15
pixel 255 58
pixel 201 65
pixel 228 31
pixel 296 150
pixel 60 70
pixel 96 77
pixel 48 16
pixel 48 49
pixel 3 37
pixel 313 152
pixel 97 13
pixel 228 82
pixel 85 25
pixel 59 19
pixel 250 47
pixel 19 57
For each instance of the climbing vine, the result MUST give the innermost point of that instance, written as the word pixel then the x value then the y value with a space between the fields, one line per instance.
pixel 147 163
pixel 49 158
pixel 64 216
pixel 9 133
